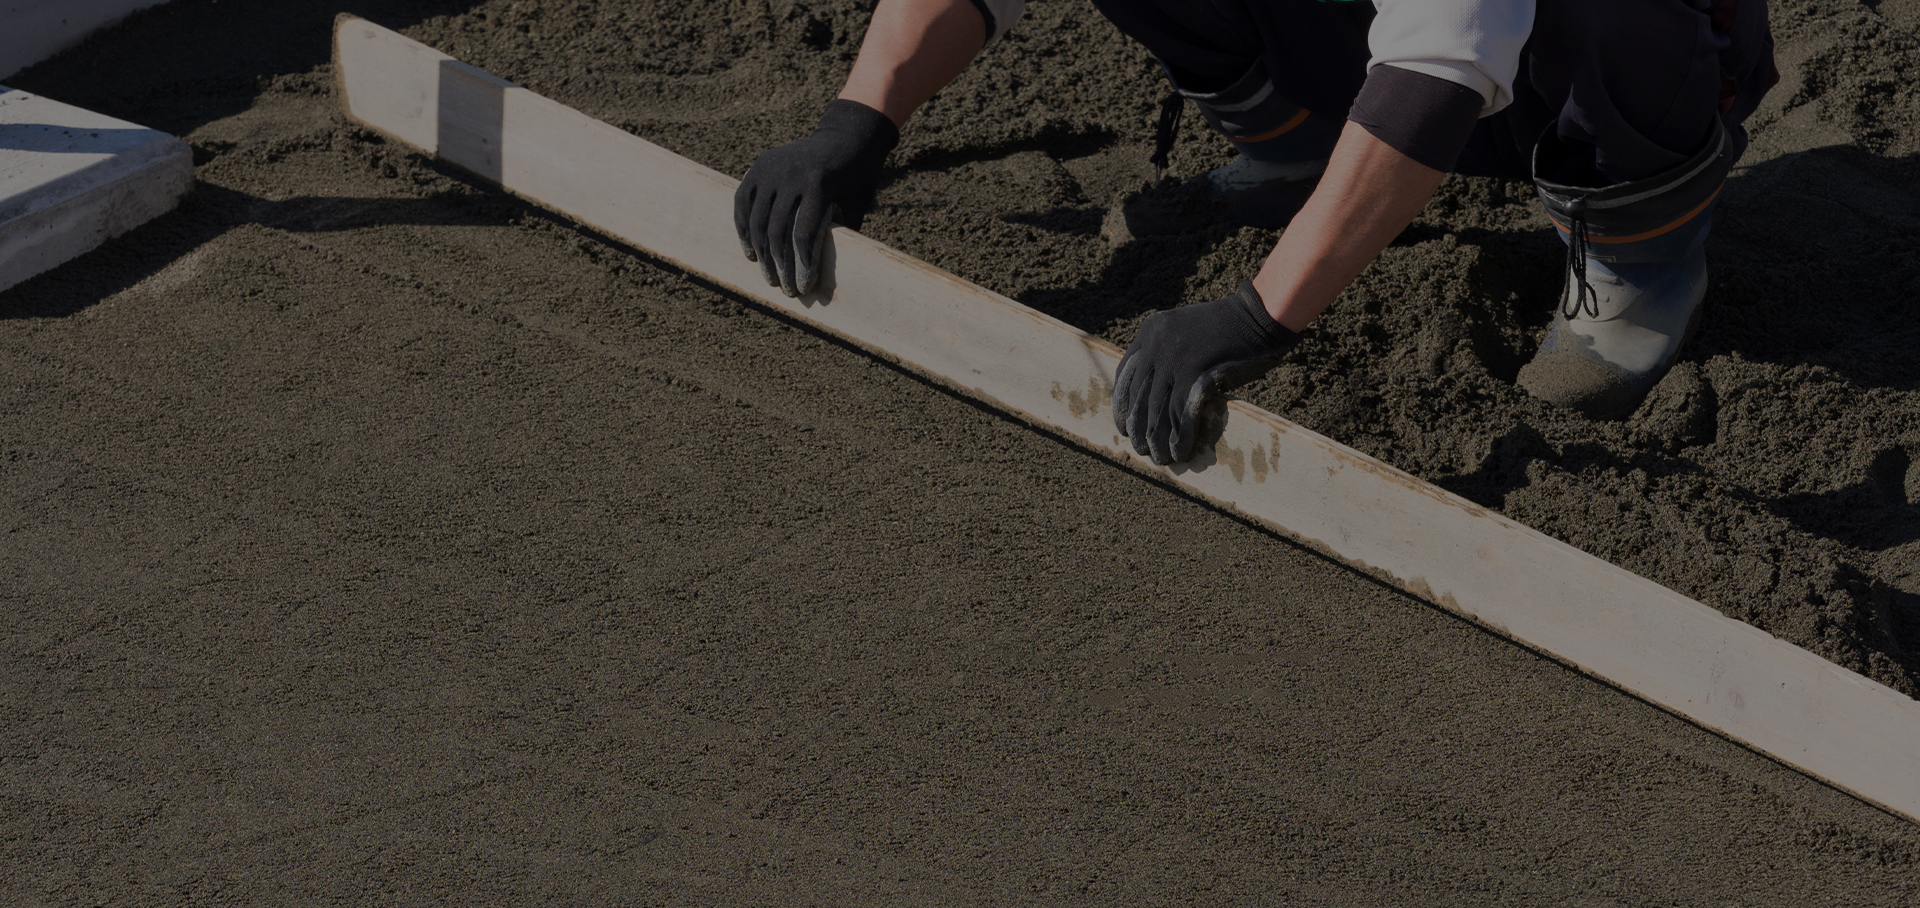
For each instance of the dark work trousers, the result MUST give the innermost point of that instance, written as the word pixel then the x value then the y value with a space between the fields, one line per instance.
pixel 1631 85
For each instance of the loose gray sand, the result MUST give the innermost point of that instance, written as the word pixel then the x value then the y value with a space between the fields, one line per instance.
pixel 372 538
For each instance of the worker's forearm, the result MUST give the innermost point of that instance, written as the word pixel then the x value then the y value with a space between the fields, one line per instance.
pixel 913 48
pixel 1369 193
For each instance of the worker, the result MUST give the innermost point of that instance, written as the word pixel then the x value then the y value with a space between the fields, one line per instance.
pixel 1346 117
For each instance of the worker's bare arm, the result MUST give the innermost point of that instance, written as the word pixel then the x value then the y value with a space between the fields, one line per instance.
pixel 1370 193
pixel 913 48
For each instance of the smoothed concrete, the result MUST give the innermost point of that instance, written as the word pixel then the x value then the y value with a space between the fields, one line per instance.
pixel 71 179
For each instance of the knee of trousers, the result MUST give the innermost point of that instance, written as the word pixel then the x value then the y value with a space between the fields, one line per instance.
pixel 1640 79
pixel 1262 123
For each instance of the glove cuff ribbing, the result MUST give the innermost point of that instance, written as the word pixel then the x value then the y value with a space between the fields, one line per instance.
pixel 871 128
pixel 1277 337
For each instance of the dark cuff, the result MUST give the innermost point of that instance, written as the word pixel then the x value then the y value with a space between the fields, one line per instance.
pixel 1424 117
pixel 987 14
pixel 1258 323
pixel 871 127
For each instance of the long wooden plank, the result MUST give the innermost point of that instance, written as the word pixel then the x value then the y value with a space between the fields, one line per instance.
pixel 1661 646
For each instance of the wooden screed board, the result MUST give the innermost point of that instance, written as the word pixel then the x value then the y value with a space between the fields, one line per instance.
pixel 1659 645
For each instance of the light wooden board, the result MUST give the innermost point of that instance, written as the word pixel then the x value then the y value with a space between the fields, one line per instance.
pixel 1651 641
pixel 71 179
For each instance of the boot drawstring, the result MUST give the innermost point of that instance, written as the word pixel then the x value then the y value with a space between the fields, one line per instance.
pixel 1166 132
pixel 1585 299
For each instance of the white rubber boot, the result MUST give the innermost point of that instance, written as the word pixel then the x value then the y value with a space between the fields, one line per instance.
pixel 1604 359
pixel 1264 193
pixel 1637 274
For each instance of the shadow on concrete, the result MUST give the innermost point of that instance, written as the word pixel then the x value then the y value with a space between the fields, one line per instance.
pixel 52 138
pixel 252 41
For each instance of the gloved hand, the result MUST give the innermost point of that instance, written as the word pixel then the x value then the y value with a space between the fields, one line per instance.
pixel 791 195
pixel 1183 355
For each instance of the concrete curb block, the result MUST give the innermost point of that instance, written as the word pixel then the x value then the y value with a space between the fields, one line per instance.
pixel 71 179
pixel 1662 647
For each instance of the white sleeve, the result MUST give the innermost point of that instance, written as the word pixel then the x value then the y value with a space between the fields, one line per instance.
pixel 1475 43
pixel 1000 15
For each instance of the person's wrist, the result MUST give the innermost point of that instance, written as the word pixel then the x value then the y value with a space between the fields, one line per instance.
pixel 1275 293
pixel 863 121
pixel 1259 319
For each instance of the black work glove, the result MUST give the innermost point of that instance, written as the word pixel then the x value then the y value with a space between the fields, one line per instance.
pixel 1183 355
pixel 792 194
